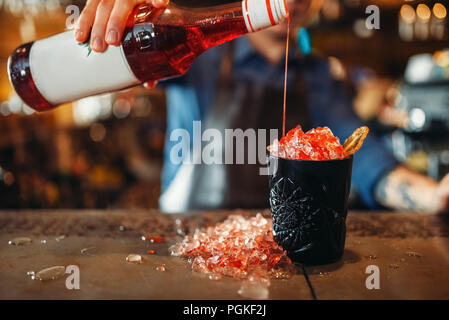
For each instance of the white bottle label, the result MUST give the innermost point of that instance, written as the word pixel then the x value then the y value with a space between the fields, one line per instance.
pixel 64 71
pixel 261 14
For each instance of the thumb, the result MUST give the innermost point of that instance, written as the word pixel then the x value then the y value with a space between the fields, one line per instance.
pixel 443 193
pixel 160 3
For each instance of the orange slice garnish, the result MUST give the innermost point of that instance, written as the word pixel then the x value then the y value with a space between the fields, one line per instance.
pixel 355 141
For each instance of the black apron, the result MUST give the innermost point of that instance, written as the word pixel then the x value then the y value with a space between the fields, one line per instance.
pixel 246 106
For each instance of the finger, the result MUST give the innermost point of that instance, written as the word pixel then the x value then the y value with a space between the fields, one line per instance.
pixel 443 191
pixel 86 20
pixel 99 29
pixel 445 179
pixel 160 3
pixel 444 186
pixel 117 21
pixel 150 85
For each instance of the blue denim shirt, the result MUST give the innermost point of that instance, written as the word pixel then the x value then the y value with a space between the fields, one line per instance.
pixel 189 98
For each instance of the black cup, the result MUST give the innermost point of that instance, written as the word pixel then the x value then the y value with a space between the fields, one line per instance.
pixel 308 202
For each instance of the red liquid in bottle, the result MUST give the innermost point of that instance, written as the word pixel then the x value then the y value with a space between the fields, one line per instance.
pixel 162 50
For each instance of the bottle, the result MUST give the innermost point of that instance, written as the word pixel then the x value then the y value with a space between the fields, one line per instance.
pixel 156 44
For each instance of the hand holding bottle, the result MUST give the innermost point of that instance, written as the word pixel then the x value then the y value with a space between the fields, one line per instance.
pixel 107 18
pixel 154 43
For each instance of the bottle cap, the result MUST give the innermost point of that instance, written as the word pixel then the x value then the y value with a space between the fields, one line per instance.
pixel 260 14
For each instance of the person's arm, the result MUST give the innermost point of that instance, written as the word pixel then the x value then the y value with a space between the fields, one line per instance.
pixel 404 189
pixel 378 177
pixel 330 105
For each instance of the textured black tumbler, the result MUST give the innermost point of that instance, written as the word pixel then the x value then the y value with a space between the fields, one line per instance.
pixel 308 202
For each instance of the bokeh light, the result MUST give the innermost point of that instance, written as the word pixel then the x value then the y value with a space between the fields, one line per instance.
pixel 439 11
pixel 97 132
pixel 423 12
pixel 407 13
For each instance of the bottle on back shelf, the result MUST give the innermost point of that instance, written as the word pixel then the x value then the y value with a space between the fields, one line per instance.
pixel 156 44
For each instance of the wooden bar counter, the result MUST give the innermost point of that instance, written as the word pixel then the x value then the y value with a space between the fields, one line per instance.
pixel 411 251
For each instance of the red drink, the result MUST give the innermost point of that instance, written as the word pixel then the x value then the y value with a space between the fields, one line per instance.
pixel 157 44
pixel 315 144
pixel 166 49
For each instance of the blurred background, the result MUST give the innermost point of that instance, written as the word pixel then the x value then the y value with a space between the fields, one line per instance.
pixel 106 151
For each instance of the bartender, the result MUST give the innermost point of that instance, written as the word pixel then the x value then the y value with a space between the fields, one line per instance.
pixel 240 85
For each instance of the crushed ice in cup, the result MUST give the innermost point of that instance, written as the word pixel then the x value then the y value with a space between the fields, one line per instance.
pixel 315 144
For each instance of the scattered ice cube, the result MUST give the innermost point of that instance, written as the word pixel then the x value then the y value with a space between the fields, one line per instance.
pixel 236 248
pixel 134 258
pixel 254 290
pixel 413 254
pixel 51 273
pixel 21 241
pixel 153 239
pixel 31 274
pixel 214 276
pixel 160 268
pixel 87 251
